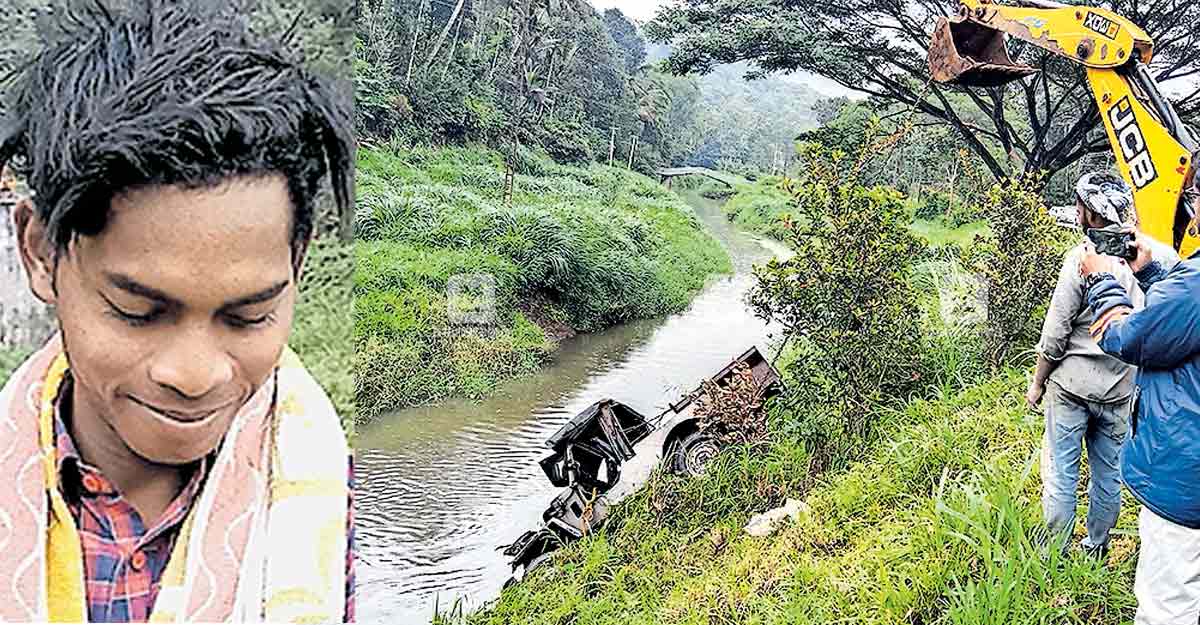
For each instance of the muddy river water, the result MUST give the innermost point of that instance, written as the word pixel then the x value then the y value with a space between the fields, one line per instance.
pixel 443 487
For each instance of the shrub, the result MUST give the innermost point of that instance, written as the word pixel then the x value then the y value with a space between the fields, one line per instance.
pixel 1020 261
pixel 847 299
pixel 961 214
pixel 935 205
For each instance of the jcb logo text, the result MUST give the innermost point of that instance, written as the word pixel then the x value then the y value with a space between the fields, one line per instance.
pixel 1133 143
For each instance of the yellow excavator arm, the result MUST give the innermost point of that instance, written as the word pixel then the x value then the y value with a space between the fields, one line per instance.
pixel 1154 150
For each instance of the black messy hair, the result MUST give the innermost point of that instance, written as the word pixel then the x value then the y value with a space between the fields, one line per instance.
pixel 168 93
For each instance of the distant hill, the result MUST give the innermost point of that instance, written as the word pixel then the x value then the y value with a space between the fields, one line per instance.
pixel 752 122
pixel 749 122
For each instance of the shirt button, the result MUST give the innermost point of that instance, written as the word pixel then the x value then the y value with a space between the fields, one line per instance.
pixel 138 562
pixel 91 483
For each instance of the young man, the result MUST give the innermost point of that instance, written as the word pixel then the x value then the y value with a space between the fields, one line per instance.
pixel 1086 391
pixel 168 458
pixel 1161 457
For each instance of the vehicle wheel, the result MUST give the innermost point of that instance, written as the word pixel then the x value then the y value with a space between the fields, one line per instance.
pixel 693 453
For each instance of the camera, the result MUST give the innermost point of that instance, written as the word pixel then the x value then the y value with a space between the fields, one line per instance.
pixel 1113 242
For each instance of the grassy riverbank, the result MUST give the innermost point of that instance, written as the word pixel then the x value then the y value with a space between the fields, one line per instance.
pixel 579 249
pixel 934 524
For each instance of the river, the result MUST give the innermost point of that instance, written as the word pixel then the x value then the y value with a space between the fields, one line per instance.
pixel 442 487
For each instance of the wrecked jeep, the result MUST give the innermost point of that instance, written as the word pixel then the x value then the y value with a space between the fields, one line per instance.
pixel 609 450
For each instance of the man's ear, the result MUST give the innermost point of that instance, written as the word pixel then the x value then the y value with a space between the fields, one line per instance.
pixel 37 252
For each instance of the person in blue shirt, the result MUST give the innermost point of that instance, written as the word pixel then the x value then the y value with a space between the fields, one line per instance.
pixel 1161 457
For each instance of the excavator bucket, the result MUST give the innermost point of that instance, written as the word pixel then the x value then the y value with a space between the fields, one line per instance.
pixel 970 54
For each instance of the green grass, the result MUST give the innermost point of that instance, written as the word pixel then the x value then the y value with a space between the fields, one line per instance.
pixel 933 518
pixel 322 333
pixel 594 246
pixel 934 524
pixel 938 232
pixel 760 207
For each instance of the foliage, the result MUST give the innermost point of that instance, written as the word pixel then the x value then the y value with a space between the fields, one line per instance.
pixel 749 126
pixel 878 48
pixel 935 205
pixel 846 297
pixel 1020 261
pixel 547 73
pixel 962 214
pixel 598 245
pixel 556 74
pixel 919 155
pixel 939 234
pixel 733 413
pixel 626 35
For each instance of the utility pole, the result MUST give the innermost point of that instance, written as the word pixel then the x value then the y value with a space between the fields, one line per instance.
pixel 612 145
pixel 631 149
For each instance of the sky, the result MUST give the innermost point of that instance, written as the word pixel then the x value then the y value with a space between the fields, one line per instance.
pixel 643 11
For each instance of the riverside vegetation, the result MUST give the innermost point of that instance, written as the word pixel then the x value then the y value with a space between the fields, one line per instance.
pixel 919 476
pixel 579 248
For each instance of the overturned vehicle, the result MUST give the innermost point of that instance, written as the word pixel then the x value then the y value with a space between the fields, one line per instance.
pixel 609 449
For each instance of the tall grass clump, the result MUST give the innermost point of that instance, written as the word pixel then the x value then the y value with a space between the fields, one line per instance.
pixel 594 246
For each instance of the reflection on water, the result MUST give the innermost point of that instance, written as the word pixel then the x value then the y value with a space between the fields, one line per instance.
pixel 443 486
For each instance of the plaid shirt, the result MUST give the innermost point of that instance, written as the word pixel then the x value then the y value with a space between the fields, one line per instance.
pixel 123 560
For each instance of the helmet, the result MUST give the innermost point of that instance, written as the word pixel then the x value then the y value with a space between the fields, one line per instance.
pixel 1107 196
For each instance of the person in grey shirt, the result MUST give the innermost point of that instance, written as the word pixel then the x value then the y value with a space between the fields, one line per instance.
pixel 1085 391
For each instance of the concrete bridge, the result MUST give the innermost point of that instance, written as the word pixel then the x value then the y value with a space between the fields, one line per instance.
pixel 665 175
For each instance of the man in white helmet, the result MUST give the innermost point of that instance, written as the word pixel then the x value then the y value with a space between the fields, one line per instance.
pixel 1085 391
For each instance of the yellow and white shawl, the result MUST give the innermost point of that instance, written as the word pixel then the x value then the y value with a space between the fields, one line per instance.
pixel 265 540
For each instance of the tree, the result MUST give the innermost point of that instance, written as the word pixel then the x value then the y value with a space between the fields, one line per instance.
pixel 626 34
pixel 878 47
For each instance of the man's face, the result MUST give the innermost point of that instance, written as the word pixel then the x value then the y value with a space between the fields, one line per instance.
pixel 177 312
pixel 1081 216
